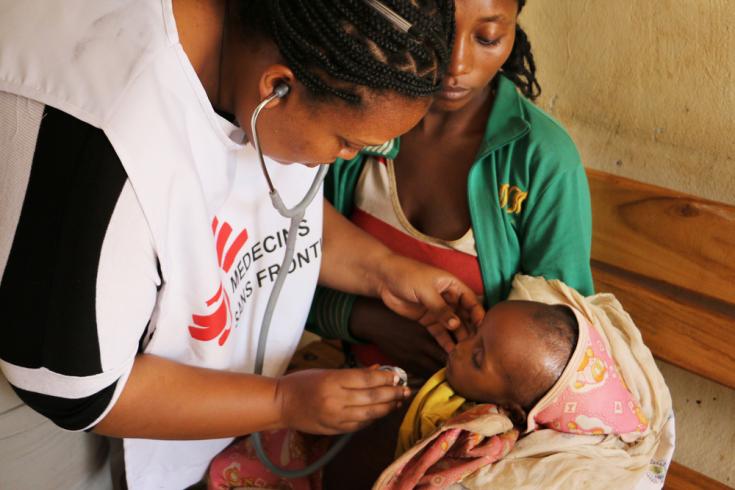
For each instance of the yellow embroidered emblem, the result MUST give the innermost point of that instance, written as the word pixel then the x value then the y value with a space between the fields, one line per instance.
pixel 512 198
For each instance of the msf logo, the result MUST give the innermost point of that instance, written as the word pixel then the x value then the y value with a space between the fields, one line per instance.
pixel 217 321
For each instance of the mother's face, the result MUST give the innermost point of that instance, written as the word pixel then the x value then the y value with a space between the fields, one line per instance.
pixel 299 129
pixel 484 38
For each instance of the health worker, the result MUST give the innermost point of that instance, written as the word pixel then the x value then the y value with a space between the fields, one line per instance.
pixel 138 241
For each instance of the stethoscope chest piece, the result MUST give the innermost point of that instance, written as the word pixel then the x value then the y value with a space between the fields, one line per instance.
pixel 402 376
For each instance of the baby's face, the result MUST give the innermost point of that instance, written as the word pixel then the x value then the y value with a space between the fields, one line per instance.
pixel 480 367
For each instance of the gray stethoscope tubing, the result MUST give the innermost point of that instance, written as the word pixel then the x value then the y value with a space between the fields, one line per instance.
pixel 295 214
pixel 280 92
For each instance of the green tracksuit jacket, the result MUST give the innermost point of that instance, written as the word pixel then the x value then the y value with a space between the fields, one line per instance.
pixel 529 205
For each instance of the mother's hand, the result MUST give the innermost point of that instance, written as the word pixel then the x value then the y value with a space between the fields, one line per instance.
pixel 406 342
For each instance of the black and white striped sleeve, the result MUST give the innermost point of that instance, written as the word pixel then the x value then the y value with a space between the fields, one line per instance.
pixel 80 277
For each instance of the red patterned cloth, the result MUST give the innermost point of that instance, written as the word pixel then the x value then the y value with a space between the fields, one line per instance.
pixel 239 467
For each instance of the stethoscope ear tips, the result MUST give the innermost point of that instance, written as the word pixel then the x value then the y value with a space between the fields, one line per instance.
pixel 281 90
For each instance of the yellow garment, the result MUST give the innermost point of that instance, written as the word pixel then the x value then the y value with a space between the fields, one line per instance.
pixel 434 404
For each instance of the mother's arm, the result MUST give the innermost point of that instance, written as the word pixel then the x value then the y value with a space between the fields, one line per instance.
pixel 557 231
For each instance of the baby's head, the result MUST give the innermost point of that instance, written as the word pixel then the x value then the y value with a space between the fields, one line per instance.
pixel 517 354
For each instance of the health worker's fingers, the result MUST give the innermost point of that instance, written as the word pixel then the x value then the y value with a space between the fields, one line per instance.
pixel 442 337
pixel 470 311
pixel 437 308
pixel 367 378
pixel 462 332
pixel 372 396
pixel 407 309
pixel 424 304
pixel 472 307
pixel 452 297
pixel 463 302
pixel 466 304
pixel 454 300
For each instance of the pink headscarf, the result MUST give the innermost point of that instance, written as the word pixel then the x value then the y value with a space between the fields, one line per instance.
pixel 590 397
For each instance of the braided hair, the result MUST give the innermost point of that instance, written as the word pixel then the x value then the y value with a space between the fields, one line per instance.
pixel 337 47
pixel 520 67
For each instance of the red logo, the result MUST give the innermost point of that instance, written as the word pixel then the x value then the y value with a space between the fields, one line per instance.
pixel 218 323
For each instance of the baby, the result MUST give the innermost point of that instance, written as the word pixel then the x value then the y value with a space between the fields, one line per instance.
pixel 516 356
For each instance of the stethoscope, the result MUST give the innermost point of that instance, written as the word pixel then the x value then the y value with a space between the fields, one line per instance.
pixel 295 214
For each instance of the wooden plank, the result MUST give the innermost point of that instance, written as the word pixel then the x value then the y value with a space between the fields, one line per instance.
pixel 668 236
pixel 680 327
pixel 682 478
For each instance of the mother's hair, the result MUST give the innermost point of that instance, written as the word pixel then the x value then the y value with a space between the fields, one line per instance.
pixel 520 67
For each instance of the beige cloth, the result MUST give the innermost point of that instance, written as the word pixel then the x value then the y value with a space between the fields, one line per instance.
pixel 553 460
pixel 35 454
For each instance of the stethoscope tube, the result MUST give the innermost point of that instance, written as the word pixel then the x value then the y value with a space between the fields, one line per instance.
pixel 295 214
pixel 280 92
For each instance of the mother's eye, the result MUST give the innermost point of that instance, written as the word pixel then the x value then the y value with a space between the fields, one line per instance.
pixel 349 145
pixel 487 42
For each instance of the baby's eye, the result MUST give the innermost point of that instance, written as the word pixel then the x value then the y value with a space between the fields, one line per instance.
pixel 477 358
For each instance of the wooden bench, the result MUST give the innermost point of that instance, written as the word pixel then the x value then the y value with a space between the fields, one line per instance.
pixel 670 260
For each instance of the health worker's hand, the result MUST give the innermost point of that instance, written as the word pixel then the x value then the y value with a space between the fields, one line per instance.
pixel 333 401
pixel 431 296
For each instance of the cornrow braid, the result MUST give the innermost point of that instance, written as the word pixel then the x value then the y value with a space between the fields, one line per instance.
pixel 337 47
pixel 520 67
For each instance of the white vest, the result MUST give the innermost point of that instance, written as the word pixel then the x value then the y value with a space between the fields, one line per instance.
pixel 119 66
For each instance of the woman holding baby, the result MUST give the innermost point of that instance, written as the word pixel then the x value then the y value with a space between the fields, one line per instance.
pixel 487 185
